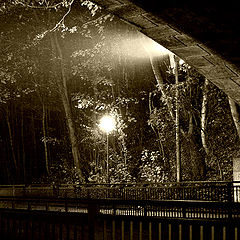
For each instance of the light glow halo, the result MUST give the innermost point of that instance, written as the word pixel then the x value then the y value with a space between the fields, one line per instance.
pixel 107 123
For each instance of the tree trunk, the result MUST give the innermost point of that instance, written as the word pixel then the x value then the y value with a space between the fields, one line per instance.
pixel 197 161
pixel 204 117
pixel 45 137
pixel 204 124
pixel 33 162
pixel 177 128
pixel 160 84
pixel 156 132
pixel 67 108
pixel 23 146
pixel 11 138
pixel 235 114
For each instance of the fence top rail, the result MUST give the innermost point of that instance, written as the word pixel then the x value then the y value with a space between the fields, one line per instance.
pixel 212 191
pixel 174 209
pixel 198 203
pixel 127 185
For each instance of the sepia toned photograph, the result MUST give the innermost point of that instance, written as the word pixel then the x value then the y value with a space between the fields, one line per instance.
pixel 119 120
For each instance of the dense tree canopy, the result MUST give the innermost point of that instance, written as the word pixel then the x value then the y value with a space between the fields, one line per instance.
pixel 66 64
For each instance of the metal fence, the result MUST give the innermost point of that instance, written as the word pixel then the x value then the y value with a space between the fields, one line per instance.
pixel 169 211
pixel 202 191
pixel 176 209
pixel 109 219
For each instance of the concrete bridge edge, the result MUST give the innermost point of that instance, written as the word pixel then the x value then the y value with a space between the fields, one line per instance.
pixel 210 64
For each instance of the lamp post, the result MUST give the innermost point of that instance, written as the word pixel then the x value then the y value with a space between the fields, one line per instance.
pixel 107 124
pixel 175 62
pixel 177 127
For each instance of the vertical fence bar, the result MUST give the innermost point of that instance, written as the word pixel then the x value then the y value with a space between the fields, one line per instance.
pixel 201 232
pixel 180 232
pixel 82 232
pixel 14 227
pixel 169 231
pixel 131 230
pixel 66 206
pixel 13 204
pixel 140 231
pixel 190 232
pixel 122 229
pixel 60 231
pixel 26 229
pixel 104 229
pixel 113 230
pixel 150 231
pixel 53 232
pixel 212 232
pixel 224 233
pixel 32 229
pixel 29 205
pixel 47 231
pixel 2 229
pixel 235 233
pixel 47 206
pixel 159 231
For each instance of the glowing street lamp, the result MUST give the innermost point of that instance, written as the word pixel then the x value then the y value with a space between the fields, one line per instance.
pixel 107 124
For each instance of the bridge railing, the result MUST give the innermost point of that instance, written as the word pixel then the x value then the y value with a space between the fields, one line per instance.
pixel 141 212
pixel 174 209
pixel 201 191
pixel 74 218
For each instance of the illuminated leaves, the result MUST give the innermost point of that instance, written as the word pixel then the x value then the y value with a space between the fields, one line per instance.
pixel 152 168
pixel 93 8
pixel 90 52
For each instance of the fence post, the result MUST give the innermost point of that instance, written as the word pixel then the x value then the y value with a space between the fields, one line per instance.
pixel 92 220
pixel 66 206
pixel 114 209
pixel 229 191
pixel 230 199
pixel 184 211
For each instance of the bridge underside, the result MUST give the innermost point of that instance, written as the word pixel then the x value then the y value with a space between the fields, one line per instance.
pixel 203 35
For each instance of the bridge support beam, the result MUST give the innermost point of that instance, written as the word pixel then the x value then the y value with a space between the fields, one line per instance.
pixel 224 74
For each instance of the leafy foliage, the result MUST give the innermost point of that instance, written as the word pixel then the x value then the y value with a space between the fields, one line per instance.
pixel 153 168
pixel 108 72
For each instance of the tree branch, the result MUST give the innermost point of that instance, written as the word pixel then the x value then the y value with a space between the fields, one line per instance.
pixel 55 6
pixel 63 18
